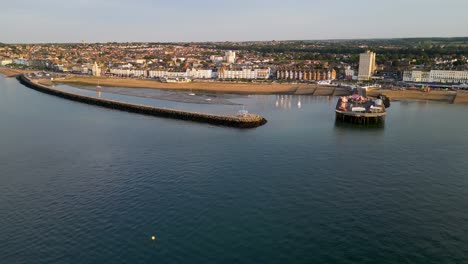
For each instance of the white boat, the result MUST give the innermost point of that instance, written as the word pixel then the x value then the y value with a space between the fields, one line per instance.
pixel 191 93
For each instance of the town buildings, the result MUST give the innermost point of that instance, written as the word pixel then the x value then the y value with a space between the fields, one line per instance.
pixel 366 65
pixel 288 61
pixel 349 74
pixel 436 76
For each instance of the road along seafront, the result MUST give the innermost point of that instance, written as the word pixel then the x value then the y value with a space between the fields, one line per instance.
pixel 242 120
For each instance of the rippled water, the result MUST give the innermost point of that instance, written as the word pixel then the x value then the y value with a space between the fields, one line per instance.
pixel 83 184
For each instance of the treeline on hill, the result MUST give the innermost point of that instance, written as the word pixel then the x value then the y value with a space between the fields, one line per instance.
pixel 283 48
pixel 393 49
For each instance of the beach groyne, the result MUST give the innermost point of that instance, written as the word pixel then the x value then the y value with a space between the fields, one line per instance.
pixel 239 121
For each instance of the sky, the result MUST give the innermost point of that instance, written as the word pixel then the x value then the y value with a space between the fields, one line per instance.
pixel 44 21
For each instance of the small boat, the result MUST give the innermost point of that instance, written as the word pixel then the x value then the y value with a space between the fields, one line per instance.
pixel 191 93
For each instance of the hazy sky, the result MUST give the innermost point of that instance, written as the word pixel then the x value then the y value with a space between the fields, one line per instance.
pixel 233 20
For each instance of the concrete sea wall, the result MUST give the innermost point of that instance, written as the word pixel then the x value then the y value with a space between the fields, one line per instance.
pixel 248 121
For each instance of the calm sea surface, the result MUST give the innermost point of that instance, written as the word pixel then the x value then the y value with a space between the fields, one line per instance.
pixel 83 184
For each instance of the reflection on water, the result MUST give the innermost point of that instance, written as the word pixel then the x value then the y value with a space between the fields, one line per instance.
pixel 289 101
pixel 359 127
pixel 300 189
pixel 200 101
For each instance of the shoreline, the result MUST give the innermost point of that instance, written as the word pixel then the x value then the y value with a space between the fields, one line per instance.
pixel 455 97
pixel 237 121
pixel 210 87
pixel 8 72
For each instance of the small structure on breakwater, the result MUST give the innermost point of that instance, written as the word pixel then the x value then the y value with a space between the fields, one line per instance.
pixel 239 121
pixel 361 110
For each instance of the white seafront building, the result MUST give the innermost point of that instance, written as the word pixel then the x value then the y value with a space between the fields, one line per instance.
pixel 5 62
pixel 245 74
pixel 436 76
pixel 200 73
pixel 194 73
pixel 126 72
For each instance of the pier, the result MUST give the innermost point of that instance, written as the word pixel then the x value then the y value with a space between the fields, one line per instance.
pixel 359 109
pixel 239 121
pixel 360 118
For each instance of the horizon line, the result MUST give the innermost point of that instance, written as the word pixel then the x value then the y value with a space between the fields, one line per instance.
pixel 233 41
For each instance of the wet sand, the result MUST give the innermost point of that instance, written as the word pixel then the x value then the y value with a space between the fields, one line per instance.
pixel 461 98
pixel 12 72
pixel 443 96
pixel 167 95
pixel 240 88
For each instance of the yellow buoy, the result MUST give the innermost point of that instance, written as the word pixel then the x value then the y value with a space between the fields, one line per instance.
pixel 153 238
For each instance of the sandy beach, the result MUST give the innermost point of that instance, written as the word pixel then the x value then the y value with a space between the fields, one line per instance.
pixel 456 97
pixel 242 88
pixel 12 72
pixel 418 95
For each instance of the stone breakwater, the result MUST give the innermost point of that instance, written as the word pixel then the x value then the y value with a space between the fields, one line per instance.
pixel 239 121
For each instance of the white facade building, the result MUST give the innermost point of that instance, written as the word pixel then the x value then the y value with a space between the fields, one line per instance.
pixel 138 73
pixel 157 74
pixel 416 76
pixel 21 62
pixel 349 73
pixel 96 70
pixel 5 62
pixel 436 76
pixel 230 56
pixel 244 74
pixel 366 65
pixel 200 74
pixel 216 59
pixel 177 74
pixel 120 72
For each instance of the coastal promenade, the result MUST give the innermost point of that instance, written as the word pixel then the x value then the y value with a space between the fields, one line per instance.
pixel 239 121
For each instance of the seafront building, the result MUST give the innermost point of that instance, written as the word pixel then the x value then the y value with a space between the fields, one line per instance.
pixel 436 76
pixel 306 74
pixel 366 66
pixel 193 73
pixel 5 62
pixel 244 74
